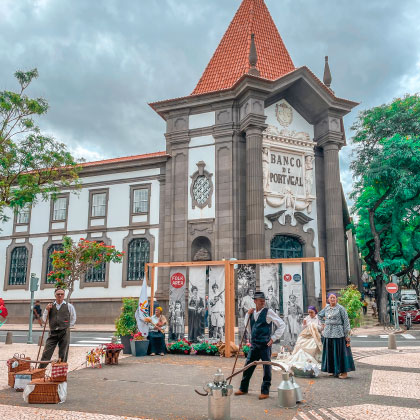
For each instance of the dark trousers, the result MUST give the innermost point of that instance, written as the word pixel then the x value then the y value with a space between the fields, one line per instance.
pixel 258 352
pixel 60 338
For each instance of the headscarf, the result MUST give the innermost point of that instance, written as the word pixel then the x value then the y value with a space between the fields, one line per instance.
pixel 332 293
pixel 312 308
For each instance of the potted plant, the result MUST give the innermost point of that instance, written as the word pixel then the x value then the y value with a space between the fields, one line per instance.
pixel 112 353
pixel 125 324
pixel 180 347
pixel 205 349
pixel 139 344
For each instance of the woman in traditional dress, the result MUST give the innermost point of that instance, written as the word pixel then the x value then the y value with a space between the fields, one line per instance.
pixel 294 317
pixel 157 326
pixel 337 359
pixel 179 321
pixel 309 341
pixel 311 318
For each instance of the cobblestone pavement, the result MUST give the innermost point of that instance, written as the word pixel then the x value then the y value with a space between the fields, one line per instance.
pixel 386 385
pixel 27 413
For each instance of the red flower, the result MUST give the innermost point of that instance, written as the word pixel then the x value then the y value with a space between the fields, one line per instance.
pixel 186 351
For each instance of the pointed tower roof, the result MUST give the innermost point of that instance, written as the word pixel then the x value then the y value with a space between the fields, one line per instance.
pixel 231 59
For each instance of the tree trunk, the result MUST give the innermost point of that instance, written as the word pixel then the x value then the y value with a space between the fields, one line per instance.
pixel 382 301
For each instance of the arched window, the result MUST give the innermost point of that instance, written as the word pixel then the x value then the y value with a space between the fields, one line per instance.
pixel 18 266
pixel 96 274
pixel 201 249
pixel 138 256
pixel 283 246
pixel 51 249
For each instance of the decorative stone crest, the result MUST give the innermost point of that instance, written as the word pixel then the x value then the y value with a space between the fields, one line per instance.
pixel 201 187
pixel 284 114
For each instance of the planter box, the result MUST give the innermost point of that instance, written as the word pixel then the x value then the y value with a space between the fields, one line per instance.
pixel 139 348
pixel 111 356
pixel 204 353
pixel 125 341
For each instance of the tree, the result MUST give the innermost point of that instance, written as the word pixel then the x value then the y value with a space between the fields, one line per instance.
pixel 32 165
pixel 350 299
pixel 387 191
pixel 76 259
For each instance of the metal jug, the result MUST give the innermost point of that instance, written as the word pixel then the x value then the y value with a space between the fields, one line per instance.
pixel 286 392
pixel 299 396
pixel 219 397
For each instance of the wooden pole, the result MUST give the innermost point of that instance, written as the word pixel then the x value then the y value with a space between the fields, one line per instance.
pixel 227 311
pixel 42 337
pixel 323 283
pixel 152 292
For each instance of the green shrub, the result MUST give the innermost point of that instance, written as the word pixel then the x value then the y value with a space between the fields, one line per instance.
pixel 126 323
pixel 350 299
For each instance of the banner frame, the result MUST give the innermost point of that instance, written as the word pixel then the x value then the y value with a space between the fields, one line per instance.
pixel 230 284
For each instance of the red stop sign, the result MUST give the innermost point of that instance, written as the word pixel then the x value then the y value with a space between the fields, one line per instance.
pixel 287 277
pixel 177 280
pixel 392 288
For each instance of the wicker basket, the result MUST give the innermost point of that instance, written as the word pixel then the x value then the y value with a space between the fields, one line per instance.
pixel 11 379
pixel 59 371
pixel 45 392
pixel 111 356
pixel 22 365
pixel 33 373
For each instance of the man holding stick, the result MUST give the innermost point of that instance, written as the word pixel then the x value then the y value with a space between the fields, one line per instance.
pixel 259 328
pixel 61 317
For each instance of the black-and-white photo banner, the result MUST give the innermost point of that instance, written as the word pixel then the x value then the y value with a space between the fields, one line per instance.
pixel 196 303
pixel 292 300
pixel 177 285
pixel 217 302
pixel 269 284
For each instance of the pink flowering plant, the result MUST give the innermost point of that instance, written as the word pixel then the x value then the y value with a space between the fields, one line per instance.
pixel 73 262
pixel 138 337
pixel 245 348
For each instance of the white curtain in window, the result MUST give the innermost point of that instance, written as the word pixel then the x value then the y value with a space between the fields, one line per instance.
pixel 23 214
pixel 98 205
pixel 141 201
pixel 60 207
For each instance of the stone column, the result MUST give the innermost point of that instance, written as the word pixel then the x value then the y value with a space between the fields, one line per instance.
pixel 254 194
pixel 336 251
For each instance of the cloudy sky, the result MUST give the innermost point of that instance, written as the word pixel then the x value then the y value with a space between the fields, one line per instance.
pixel 102 61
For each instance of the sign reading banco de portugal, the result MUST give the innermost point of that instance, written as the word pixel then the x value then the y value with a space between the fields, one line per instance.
pixel 286 169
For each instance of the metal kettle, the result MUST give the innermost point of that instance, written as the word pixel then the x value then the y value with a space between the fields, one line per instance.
pixel 286 392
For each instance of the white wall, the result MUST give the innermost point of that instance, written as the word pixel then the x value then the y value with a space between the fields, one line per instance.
pixel 201 148
pixel 118 217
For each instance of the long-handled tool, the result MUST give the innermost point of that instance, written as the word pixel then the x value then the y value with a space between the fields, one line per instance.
pixel 42 337
pixel 240 345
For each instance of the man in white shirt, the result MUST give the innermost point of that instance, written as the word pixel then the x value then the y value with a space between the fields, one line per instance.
pixel 259 328
pixel 61 317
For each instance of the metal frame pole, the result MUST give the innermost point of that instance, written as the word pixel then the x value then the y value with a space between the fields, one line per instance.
pixel 31 312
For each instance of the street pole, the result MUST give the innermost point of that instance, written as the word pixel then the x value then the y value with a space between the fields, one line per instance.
pixel 34 288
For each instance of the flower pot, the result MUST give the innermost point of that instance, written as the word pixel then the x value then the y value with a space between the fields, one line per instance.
pixel 125 341
pixel 139 347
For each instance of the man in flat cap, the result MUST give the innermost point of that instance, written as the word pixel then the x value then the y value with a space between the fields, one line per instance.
pixel 259 328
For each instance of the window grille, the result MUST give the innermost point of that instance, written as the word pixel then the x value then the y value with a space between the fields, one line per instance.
pixel 138 256
pixel 51 249
pixel 141 200
pixel 96 274
pixel 18 266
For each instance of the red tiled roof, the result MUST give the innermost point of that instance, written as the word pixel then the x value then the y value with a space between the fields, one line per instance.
pixel 124 159
pixel 231 59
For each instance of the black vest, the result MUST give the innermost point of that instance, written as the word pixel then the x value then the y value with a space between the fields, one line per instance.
pixel 59 319
pixel 260 330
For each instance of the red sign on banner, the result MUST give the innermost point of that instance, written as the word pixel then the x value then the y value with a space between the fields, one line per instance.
pixel 287 277
pixel 177 280
pixel 392 288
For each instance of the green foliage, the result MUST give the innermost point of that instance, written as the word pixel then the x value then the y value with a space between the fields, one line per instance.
pixel 32 165
pixel 387 187
pixel 206 348
pixel 245 348
pixel 126 323
pixel 180 347
pixel 73 262
pixel 350 299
